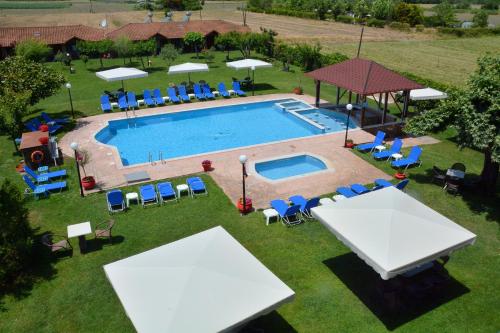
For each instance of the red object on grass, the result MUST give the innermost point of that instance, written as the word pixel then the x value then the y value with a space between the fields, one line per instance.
pixel 207 165
pixel 44 128
pixel 88 183
pixel 399 175
pixel 248 206
pixel 44 140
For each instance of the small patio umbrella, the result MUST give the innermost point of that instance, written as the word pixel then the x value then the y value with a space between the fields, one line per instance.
pixel 249 64
pixel 120 74
pixel 188 67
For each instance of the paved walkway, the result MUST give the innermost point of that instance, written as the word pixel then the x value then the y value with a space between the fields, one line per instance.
pixel 344 167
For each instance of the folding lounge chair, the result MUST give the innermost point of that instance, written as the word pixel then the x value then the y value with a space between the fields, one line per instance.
pixel 222 90
pixel 359 189
pixel 148 100
pixel 171 94
pixel 207 91
pixel 237 89
pixel 382 183
pixel 29 125
pixel 105 104
pixel 49 120
pixel 44 177
pixel 196 186
pixel 132 101
pixel 197 92
pixel 379 140
pixel 166 192
pixel 183 94
pixel 52 128
pixel 158 98
pixel 115 200
pixel 402 184
pixel 289 215
pixel 395 149
pixel 413 158
pixel 305 205
pixel 148 195
pixel 346 192
pixel 122 101
pixel 45 188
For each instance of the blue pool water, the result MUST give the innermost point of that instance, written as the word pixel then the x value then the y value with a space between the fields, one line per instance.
pixel 289 167
pixel 206 130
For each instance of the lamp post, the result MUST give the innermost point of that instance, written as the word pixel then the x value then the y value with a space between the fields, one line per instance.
pixel 68 86
pixel 349 109
pixel 74 146
pixel 243 160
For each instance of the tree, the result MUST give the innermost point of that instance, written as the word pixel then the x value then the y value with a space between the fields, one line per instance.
pixel 490 5
pixel 144 48
pixel 15 238
pixel 339 8
pixel 475 113
pixel 192 4
pixel 95 49
pixel 284 53
pixel 361 8
pixel 123 47
pixel 33 50
pixel 382 9
pixel 445 14
pixel 480 19
pixel 408 13
pixel 169 53
pixel 307 56
pixel 194 40
pixel 226 42
pixel 208 55
pixel 13 107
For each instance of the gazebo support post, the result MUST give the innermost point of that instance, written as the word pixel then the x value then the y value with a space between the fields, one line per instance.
pixel 386 101
pixel 350 97
pixel 379 100
pixel 406 102
pixel 357 98
pixel 362 111
pixel 318 90
pixel 338 96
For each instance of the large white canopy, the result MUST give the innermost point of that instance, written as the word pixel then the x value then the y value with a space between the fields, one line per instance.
pixel 207 282
pixel 391 231
pixel 121 73
pixel 188 67
pixel 248 64
pixel 426 94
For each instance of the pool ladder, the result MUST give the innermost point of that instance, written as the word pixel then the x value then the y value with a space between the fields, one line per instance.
pixel 130 117
pixel 160 158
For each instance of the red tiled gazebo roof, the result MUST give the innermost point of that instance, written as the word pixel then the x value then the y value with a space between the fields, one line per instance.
pixel 363 77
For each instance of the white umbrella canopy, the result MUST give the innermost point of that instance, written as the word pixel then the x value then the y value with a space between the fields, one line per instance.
pixel 249 64
pixel 427 94
pixel 207 282
pixel 121 74
pixel 188 67
pixel 391 231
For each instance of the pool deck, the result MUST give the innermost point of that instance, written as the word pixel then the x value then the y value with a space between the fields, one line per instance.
pixel 344 167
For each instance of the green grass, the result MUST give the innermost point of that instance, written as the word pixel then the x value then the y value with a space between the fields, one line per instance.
pixel 33 5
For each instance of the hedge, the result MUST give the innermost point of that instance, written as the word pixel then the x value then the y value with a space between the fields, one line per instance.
pixel 470 32
pixel 345 19
pixel 373 22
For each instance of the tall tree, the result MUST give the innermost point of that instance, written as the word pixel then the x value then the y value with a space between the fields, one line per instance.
pixel 194 40
pixel 123 47
pixel 444 14
pixel 13 107
pixel 480 19
pixel 475 113
pixel 169 53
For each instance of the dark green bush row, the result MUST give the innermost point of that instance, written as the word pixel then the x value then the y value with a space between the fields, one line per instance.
pixel 345 19
pixel 373 22
pixel 285 12
pixel 400 26
pixel 471 32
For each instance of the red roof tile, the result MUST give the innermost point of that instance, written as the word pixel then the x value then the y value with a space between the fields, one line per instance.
pixel 364 77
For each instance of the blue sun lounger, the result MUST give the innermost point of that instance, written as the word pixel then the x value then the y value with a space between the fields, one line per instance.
pixel 196 186
pixel 412 159
pixel 48 119
pixel 166 192
pixel 305 205
pixel 122 101
pixel 379 140
pixel 115 201
pixel 44 177
pixel 197 92
pixel 346 192
pixel 148 100
pixel 395 149
pixel 36 125
pixel 207 91
pixel 359 189
pixel 222 90
pixel 158 98
pixel 172 96
pixel 132 102
pixel 148 195
pixel 289 215
pixel 45 188
pixel 382 183
pixel 183 93
pixel 105 104
pixel 237 89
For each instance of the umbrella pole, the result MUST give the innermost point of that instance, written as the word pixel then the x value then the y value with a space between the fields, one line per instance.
pixel 189 79
pixel 253 82
pixel 123 88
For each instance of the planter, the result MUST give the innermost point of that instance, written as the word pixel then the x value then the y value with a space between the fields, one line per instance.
pixel 349 144
pixel 207 165
pixel 400 175
pixel 88 183
pixel 44 140
pixel 20 167
pixel 248 206
pixel 297 91
pixel 44 128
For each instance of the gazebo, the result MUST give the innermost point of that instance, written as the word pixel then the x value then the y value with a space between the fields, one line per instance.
pixel 364 78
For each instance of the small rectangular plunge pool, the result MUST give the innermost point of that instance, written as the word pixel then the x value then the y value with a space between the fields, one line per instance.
pixel 289 167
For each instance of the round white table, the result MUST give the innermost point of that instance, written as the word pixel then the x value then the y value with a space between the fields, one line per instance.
pixel 270 213
pixel 131 196
pixel 182 188
pixel 396 157
pixel 379 148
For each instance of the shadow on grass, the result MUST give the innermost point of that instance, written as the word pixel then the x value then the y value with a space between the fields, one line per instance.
pixel 272 322
pixel 365 283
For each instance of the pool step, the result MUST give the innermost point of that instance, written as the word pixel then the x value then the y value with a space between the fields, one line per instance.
pixel 294 110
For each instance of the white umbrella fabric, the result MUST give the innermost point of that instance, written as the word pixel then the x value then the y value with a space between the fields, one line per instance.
pixel 249 64
pixel 188 67
pixel 427 94
pixel 121 74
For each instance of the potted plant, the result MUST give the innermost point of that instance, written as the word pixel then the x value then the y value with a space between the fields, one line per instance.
pixel 349 143
pixel 298 90
pixel 207 165
pixel 248 205
pixel 88 182
pixel 400 174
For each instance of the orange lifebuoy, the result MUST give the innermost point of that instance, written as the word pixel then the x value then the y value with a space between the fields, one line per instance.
pixel 37 156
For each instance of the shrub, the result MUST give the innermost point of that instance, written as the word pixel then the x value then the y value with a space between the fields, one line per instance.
pixel 472 32
pixel 332 58
pixel 431 21
pixel 400 26
pixel 480 19
pixel 490 5
pixel 345 19
pixel 33 49
pixel 419 27
pixel 373 22
pixel 408 13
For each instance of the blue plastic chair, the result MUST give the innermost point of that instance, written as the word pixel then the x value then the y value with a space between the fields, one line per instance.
pixel 172 96
pixel 237 89
pixel 45 188
pixel 412 159
pixel 115 201
pixel 402 184
pixel 359 189
pixel 166 192
pixel 197 92
pixel 289 215
pixel 48 119
pixel 382 183
pixel 44 177
pixel 196 186
pixel 183 93
pixel 52 128
pixel 148 195
pixel 222 90
pixel 148 100
pixel 395 149
pixel 346 192
pixel 158 98
pixel 379 140
pixel 132 102
pixel 122 101
pixel 105 104
pixel 305 205
pixel 207 91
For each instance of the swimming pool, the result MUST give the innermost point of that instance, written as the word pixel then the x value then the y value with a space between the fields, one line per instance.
pixel 200 131
pixel 289 167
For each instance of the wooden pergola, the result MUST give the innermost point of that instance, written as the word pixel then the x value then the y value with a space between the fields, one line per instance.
pixel 365 78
